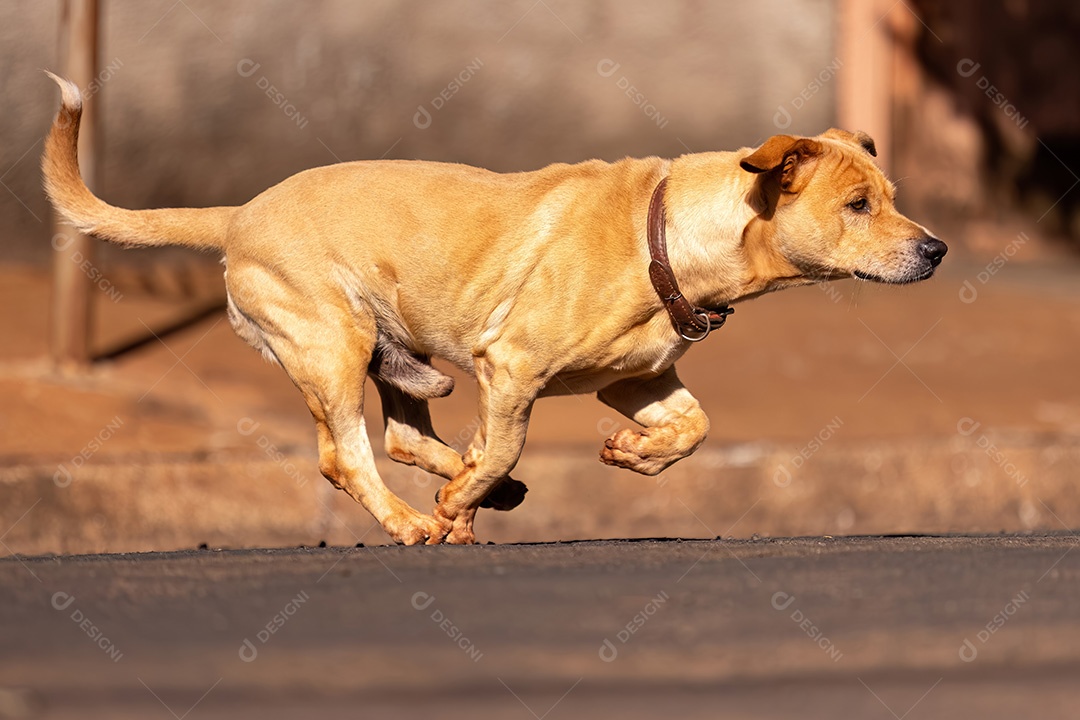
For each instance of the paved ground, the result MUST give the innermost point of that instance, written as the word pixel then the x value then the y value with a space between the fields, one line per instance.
pixel 903 627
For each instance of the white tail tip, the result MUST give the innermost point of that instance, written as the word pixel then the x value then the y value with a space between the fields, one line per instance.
pixel 72 97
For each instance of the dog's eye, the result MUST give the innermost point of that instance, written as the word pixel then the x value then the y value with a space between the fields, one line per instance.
pixel 860 205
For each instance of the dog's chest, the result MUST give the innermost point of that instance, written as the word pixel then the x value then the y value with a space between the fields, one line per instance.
pixel 630 357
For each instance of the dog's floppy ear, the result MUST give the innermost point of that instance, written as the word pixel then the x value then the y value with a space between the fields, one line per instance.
pixel 855 138
pixel 784 152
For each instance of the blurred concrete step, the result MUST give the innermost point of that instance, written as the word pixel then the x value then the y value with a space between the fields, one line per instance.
pixel 971 483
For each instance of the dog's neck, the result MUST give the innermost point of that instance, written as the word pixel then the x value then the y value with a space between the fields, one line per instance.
pixel 720 246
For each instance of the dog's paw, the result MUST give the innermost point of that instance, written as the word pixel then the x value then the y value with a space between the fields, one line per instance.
pixel 414 528
pixel 630 449
pixel 461 536
pixel 461 527
pixel 507 495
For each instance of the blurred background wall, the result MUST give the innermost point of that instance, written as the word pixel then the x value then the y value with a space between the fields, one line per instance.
pixel 189 122
pixel 209 103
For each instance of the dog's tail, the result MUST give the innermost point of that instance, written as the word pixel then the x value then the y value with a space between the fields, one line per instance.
pixel 202 228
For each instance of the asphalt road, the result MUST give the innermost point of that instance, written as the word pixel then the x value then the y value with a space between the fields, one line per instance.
pixel 894 627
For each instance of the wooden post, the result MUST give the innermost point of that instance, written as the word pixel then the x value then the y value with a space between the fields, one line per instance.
pixel 865 80
pixel 72 284
pixel 908 99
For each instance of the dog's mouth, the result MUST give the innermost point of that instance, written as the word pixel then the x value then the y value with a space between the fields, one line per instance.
pixel 902 280
pixel 928 253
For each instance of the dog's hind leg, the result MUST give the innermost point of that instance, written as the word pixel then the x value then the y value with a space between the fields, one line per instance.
pixel 335 396
pixel 327 359
pixel 673 421
pixel 411 439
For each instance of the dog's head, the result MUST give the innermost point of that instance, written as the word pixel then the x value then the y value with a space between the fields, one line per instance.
pixel 830 213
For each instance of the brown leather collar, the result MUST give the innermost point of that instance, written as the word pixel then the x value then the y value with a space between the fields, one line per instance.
pixel 691 322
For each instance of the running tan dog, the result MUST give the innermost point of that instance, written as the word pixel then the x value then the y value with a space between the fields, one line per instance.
pixel 536 283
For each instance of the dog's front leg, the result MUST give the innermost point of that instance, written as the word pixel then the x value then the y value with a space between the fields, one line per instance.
pixel 507 393
pixel 673 421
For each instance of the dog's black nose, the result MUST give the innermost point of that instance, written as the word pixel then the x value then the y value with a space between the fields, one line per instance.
pixel 933 250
